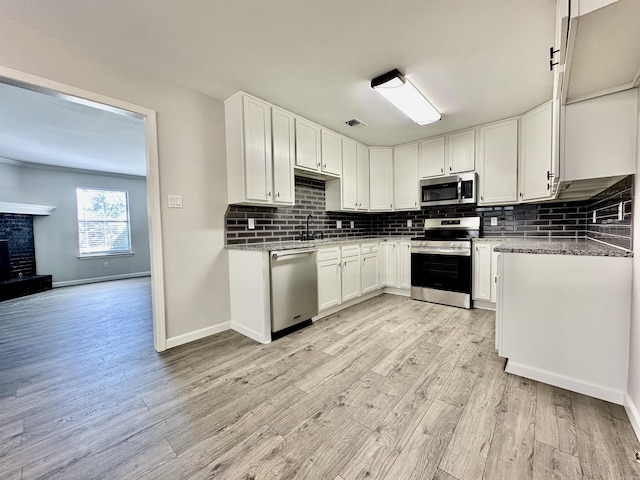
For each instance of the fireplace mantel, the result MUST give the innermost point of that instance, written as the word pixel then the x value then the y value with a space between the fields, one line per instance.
pixel 25 208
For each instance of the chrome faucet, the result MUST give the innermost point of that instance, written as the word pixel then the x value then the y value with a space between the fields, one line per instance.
pixel 309 235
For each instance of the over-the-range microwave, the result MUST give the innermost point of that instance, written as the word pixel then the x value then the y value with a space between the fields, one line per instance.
pixel 449 190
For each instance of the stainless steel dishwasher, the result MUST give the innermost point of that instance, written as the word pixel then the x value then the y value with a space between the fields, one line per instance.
pixel 294 288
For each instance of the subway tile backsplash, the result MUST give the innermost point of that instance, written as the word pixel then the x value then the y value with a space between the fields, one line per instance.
pixel 543 220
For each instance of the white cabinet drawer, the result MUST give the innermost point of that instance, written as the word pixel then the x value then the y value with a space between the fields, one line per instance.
pixel 350 250
pixel 332 253
pixel 369 247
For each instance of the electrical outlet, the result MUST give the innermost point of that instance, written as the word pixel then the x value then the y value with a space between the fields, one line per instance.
pixel 175 201
pixel 494 221
pixel 409 223
pixel 105 264
pixel 252 224
pixel 338 223
pixel 352 224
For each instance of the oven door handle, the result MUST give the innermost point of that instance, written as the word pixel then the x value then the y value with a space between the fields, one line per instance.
pixel 461 252
pixel 459 190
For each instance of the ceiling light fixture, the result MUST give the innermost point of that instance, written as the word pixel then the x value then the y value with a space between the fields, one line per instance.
pixel 406 97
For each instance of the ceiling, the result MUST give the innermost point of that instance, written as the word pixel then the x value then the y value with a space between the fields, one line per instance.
pixel 476 60
pixel 51 130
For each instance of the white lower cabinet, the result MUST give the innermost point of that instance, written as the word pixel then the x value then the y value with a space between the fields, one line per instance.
pixel 329 278
pixel 350 272
pixel 485 270
pixel 404 262
pixel 370 278
pixel 390 264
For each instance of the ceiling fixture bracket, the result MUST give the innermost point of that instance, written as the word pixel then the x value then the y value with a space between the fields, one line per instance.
pixel 355 122
pixel 398 90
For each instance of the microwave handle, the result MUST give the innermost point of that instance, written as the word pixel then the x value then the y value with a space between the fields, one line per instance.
pixel 459 190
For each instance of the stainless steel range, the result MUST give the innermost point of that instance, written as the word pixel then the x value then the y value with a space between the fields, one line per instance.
pixel 441 261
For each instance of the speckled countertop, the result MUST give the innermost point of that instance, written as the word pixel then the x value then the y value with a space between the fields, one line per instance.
pixel 327 242
pixel 583 246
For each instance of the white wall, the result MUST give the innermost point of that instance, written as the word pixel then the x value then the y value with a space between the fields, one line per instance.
pixel 633 390
pixel 192 163
pixel 56 236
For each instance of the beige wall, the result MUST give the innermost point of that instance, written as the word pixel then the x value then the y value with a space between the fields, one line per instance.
pixel 192 163
pixel 634 353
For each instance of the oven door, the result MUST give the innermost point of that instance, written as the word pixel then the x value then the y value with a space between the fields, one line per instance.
pixel 449 272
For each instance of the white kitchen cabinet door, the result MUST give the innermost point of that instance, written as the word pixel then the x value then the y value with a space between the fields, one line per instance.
pixel 257 150
pixel 370 272
pixel 350 278
pixel 536 157
pixel 329 284
pixel 349 175
pixel 390 264
pixel 482 271
pixel 494 273
pixel 307 144
pixel 362 156
pixel 498 163
pixel 432 157
pixel 404 260
pixel 284 144
pixel 381 179
pixel 405 177
pixel 461 148
pixel 331 152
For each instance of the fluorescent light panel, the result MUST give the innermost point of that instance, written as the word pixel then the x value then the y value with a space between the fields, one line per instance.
pixel 405 96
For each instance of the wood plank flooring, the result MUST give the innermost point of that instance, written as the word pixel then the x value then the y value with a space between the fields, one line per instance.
pixel 389 389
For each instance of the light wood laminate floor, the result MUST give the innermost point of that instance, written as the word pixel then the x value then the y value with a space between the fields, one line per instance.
pixel 389 389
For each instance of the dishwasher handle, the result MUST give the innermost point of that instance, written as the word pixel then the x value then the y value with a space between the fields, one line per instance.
pixel 276 255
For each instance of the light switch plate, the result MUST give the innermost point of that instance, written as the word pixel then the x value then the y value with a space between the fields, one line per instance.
pixel 409 223
pixel 352 223
pixel 175 201
pixel 252 224
pixel 338 223
pixel 494 221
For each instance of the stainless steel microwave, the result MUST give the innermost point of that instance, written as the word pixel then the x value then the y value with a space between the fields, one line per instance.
pixel 449 190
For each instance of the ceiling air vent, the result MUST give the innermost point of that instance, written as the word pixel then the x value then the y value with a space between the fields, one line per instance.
pixel 354 122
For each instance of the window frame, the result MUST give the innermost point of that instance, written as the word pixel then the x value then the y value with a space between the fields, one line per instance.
pixel 104 253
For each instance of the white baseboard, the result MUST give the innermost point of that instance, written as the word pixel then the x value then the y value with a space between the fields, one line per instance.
pixel 568 383
pixel 83 281
pixel 342 306
pixel 484 305
pixel 634 415
pixel 398 291
pixel 196 335
pixel 249 332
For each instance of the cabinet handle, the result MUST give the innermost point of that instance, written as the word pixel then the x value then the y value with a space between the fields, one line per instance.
pixel 269 194
pixel 278 195
pixel 324 166
pixel 482 197
pixel 415 204
pixel 339 265
pixel 364 259
pixel 476 249
pixel 391 206
pixel 552 52
pixel 548 187
pixel 318 164
pixel 520 194
pixel 549 175
pixel 442 170
pixel 359 205
pixel 450 168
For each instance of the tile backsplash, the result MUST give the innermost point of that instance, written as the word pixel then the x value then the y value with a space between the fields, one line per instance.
pixel 543 220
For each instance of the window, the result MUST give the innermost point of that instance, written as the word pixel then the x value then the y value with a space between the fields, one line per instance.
pixel 103 221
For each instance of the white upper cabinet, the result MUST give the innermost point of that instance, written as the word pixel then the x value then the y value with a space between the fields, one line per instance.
pixel 600 137
pixel 351 191
pixel 536 157
pixel 432 157
pixel 498 163
pixel 331 153
pixel 461 151
pixel 349 175
pixel 405 177
pixel 283 137
pixel 362 158
pixel 381 179
pixel 308 149
pixel 250 169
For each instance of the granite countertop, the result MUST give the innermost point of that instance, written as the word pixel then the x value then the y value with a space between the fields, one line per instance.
pixel 583 246
pixel 327 242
